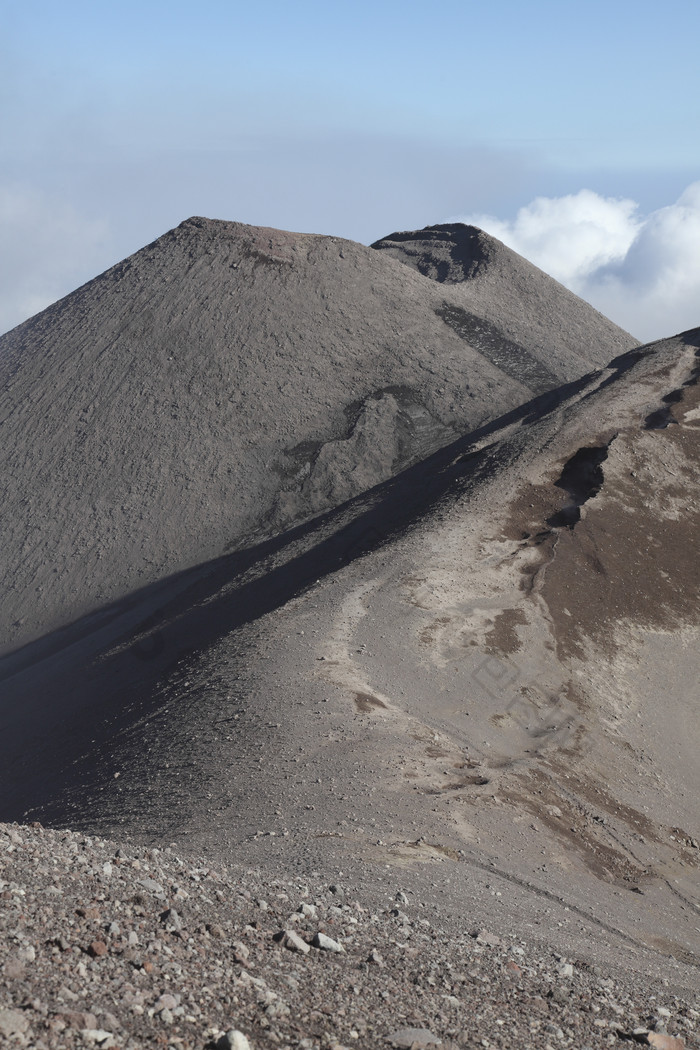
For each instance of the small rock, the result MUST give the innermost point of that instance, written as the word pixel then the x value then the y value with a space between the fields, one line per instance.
pixel 171 920
pixel 79 1019
pixel 14 969
pixel 152 886
pixel 165 1002
pixel 233 1040
pixel 88 913
pixel 13 1023
pixel 565 970
pixel 375 957
pixel 665 1042
pixel 402 898
pixel 98 1036
pixel 293 941
pixel 97 949
pixel 408 1037
pixel 327 944
pixel 488 939
pixel 400 915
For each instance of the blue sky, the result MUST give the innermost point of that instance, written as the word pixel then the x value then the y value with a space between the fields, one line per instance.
pixel 118 121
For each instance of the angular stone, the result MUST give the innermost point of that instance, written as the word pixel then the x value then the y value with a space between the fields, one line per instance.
pixel 665 1042
pixel 13 1023
pixel 171 920
pixel 233 1040
pixel 152 886
pixel 98 1036
pixel 327 944
pixel 88 913
pixel 490 940
pixel 293 941
pixel 166 1002
pixel 14 968
pixel 79 1019
pixel 408 1037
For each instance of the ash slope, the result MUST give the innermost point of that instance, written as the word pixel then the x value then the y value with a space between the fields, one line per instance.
pixel 460 684
pixel 227 382
pixel 498 287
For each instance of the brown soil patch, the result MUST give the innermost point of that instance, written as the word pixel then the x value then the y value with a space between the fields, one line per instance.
pixel 502 638
pixel 598 798
pixel 461 782
pixel 630 556
pixel 427 635
pixel 577 830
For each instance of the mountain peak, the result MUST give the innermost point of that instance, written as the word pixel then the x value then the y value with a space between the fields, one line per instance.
pixel 447 252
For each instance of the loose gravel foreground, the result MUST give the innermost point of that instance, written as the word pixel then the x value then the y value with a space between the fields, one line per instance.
pixel 104 945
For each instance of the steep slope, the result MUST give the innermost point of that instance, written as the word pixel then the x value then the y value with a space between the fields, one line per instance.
pixel 229 381
pixel 456 677
pixel 500 294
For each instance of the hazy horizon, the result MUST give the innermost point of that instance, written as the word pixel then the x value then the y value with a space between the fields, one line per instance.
pixel 549 130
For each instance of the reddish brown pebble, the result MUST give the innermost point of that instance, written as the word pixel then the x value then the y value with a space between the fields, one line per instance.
pixel 79 1019
pixel 512 967
pixel 88 913
pixel 97 948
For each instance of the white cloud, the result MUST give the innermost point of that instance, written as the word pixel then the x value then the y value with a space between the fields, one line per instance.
pixel 642 271
pixel 48 248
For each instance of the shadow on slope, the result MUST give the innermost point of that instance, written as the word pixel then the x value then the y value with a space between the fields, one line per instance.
pixel 68 696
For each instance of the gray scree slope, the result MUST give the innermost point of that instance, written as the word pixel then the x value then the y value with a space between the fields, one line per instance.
pixel 473 684
pixel 228 381
pixel 473 707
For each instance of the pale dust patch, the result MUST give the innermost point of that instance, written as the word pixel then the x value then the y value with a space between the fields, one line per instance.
pixel 464 828
pixel 427 760
pixel 408 854
pixel 339 665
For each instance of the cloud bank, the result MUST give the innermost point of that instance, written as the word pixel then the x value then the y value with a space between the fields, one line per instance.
pixel 642 271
